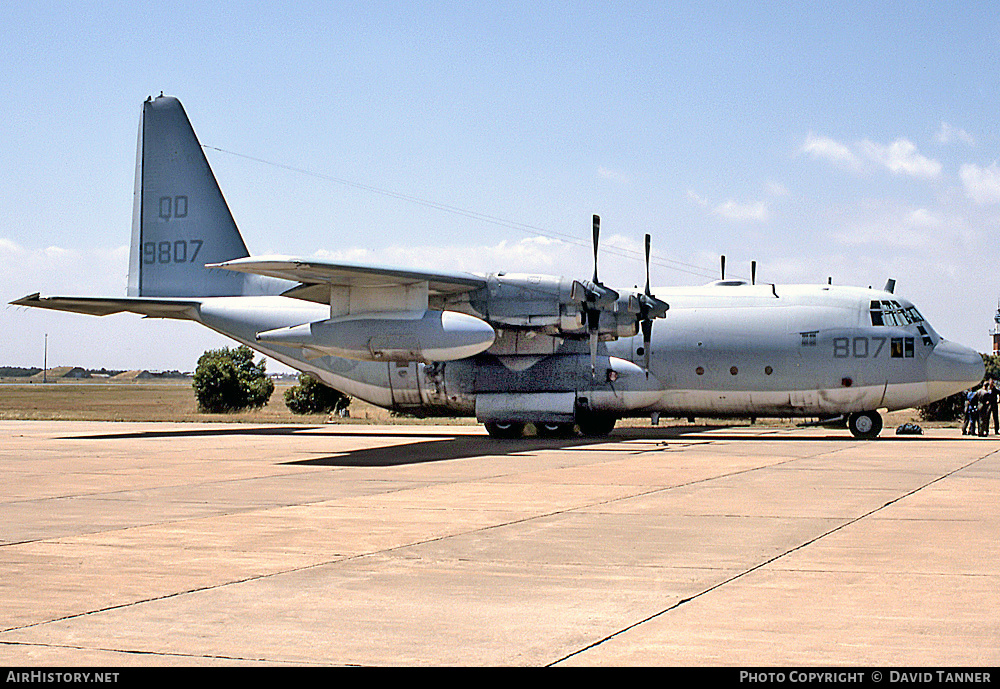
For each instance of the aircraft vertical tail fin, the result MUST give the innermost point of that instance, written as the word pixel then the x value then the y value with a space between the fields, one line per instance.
pixel 180 220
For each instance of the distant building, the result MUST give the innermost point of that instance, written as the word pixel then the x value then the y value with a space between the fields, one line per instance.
pixel 62 372
pixel 133 375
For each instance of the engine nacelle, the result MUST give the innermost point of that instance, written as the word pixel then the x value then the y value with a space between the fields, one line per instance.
pixel 556 306
pixel 411 336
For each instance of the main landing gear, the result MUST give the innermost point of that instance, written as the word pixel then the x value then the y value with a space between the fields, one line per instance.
pixel 865 424
pixel 591 425
pixel 505 429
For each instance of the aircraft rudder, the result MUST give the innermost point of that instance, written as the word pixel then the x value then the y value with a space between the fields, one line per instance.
pixel 180 219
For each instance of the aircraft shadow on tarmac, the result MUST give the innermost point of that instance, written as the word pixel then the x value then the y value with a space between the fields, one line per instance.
pixel 434 446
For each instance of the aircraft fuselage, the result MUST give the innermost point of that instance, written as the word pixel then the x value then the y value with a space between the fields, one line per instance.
pixel 725 349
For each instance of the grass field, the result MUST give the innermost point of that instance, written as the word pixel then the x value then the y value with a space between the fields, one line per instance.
pixel 143 401
pixel 174 401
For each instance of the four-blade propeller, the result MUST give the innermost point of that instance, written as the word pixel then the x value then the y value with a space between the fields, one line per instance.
pixel 649 308
pixel 595 298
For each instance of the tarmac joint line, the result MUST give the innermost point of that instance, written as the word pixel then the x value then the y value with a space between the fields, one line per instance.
pixel 767 562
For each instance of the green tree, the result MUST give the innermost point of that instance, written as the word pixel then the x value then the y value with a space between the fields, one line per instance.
pixel 992 363
pixel 312 397
pixel 227 380
pixel 948 409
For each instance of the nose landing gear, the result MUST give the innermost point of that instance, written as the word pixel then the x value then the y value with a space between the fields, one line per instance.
pixel 865 425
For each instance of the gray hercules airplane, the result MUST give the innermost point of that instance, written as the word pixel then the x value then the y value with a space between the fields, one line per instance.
pixel 514 349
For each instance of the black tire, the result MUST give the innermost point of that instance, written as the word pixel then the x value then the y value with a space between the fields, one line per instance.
pixel 505 429
pixel 554 430
pixel 865 425
pixel 595 425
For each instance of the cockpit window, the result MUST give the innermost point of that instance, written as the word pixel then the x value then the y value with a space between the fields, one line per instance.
pixel 891 312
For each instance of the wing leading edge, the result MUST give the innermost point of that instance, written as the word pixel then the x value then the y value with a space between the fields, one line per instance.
pixel 310 274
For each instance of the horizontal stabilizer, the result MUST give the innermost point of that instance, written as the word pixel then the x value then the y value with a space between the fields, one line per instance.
pixel 105 306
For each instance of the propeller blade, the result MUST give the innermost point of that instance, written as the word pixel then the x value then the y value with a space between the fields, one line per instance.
pixel 651 308
pixel 648 293
pixel 593 353
pixel 647 336
pixel 723 267
pixel 597 235
pixel 753 272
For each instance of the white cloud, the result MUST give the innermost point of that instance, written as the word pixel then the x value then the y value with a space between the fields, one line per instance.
pixel 733 210
pixel 921 217
pixel 613 175
pixel 777 189
pixel 982 184
pixel 697 199
pixel 947 134
pixel 901 156
pixel 527 255
pixel 821 147
pixel 893 230
pixel 98 271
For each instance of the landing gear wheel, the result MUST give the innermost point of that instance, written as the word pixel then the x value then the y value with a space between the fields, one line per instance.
pixel 505 429
pixel 865 424
pixel 595 425
pixel 554 430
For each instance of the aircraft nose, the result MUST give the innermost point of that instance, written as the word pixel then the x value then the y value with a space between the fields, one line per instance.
pixel 952 368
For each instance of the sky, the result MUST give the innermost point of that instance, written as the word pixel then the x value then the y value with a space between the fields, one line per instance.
pixel 849 141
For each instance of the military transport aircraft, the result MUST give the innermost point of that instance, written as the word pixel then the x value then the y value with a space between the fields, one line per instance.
pixel 564 355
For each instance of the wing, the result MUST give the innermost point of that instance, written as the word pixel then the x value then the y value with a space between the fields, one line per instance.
pixel 315 278
pixel 104 306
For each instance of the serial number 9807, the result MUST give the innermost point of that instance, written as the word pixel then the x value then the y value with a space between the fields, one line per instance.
pixel 179 251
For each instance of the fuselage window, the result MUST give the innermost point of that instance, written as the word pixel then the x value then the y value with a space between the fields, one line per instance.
pixel 901 347
pixel 809 339
pixel 892 313
pixel 923 334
